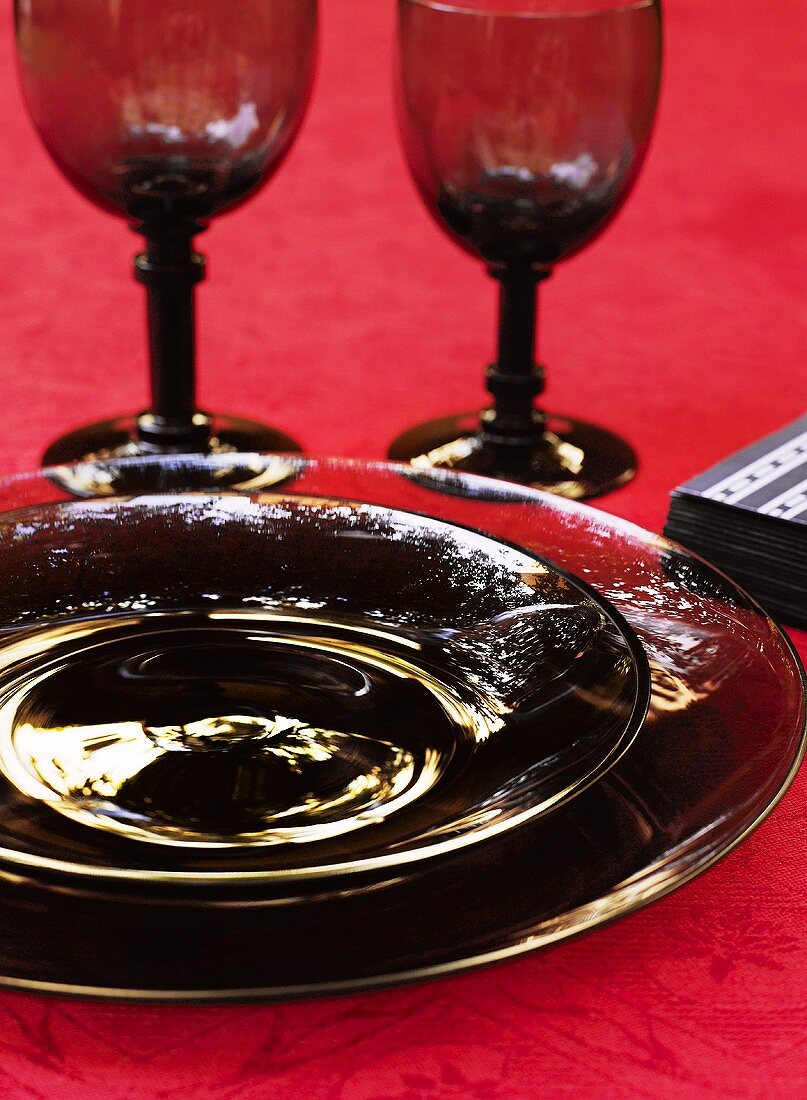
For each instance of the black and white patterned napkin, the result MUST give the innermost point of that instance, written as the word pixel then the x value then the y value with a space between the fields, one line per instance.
pixel 748 515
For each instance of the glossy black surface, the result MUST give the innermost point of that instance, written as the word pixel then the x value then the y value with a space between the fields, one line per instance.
pixel 88 455
pixel 721 740
pixel 571 458
pixel 267 673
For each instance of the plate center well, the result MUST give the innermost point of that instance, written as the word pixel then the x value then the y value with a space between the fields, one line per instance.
pixel 246 729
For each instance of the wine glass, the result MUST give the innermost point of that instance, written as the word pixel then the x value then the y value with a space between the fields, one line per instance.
pixel 525 123
pixel 166 113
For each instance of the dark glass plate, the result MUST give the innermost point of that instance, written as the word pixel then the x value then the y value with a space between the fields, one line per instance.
pixel 720 743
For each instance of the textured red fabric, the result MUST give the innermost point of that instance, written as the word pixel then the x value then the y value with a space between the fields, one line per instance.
pixel 336 309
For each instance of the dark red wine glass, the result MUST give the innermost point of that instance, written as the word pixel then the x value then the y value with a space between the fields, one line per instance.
pixel 167 113
pixel 525 124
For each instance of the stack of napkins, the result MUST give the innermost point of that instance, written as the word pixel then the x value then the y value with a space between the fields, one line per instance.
pixel 748 515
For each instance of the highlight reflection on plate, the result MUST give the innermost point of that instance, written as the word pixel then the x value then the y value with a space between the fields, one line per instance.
pixel 303 686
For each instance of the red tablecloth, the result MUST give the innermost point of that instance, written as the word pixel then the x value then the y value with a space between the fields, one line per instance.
pixel 336 309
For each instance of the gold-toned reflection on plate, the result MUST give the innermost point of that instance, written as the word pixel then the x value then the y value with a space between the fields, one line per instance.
pixel 671 692
pixel 226 779
pixel 100 764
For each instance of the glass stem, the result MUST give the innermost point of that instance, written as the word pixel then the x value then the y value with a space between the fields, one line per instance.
pixel 513 426
pixel 169 268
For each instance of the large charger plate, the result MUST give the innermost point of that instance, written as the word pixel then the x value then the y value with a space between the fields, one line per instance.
pixel 722 739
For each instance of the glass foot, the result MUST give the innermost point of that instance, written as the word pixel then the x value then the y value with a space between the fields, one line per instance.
pixel 573 459
pixel 97 446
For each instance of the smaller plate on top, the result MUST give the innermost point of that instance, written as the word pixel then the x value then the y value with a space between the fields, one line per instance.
pixel 221 687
